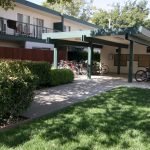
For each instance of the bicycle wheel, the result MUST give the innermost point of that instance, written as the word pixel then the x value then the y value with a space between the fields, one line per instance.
pixel 104 69
pixel 140 76
pixel 75 71
pixel 66 66
pixel 83 71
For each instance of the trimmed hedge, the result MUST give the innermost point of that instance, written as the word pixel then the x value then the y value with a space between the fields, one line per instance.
pixel 18 80
pixel 61 76
pixel 17 85
pixel 41 70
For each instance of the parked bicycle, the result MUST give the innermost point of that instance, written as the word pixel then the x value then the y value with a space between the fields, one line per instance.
pixel 104 69
pixel 69 65
pixel 82 66
pixel 143 75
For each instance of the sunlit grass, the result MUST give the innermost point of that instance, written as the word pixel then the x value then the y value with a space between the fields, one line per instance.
pixel 116 120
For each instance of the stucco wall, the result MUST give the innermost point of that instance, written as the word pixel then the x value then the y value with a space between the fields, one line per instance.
pixel 75 26
pixel 34 45
pixel 10 44
pixel 49 19
pixel 107 57
pixel 12 14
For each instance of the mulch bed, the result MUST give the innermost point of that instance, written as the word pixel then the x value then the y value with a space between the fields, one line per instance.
pixel 14 121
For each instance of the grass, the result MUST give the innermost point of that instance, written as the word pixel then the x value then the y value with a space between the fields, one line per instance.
pixel 116 120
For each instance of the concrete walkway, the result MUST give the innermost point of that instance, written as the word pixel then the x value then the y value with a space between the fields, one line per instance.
pixel 55 98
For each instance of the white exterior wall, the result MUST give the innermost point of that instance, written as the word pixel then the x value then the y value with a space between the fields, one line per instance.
pixel 48 18
pixel 9 44
pixel 33 13
pixel 31 45
pixel 109 51
pixel 75 26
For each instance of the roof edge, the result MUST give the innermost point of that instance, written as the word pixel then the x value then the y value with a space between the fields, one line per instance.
pixel 80 21
pixel 56 13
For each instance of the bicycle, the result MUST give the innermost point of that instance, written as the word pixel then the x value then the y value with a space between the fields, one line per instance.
pixel 69 65
pixel 82 66
pixel 103 69
pixel 143 75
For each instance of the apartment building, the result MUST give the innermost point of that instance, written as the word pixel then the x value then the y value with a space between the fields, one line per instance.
pixel 23 26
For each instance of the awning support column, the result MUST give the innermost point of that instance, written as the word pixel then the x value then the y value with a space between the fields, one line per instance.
pixel 119 60
pixel 130 74
pixel 55 58
pixel 89 65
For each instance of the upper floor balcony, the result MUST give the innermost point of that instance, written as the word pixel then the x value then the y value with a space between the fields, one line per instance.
pixel 17 29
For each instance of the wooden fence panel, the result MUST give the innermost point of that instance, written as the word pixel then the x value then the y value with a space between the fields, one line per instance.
pixel 29 54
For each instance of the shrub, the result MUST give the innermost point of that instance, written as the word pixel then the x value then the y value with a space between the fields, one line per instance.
pixel 18 81
pixel 17 86
pixel 41 70
pixel 61 76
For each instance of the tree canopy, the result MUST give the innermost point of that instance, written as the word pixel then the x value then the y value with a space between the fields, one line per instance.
pixel 132 13
pixel 7 4
pixel 82 9
pixel 58 1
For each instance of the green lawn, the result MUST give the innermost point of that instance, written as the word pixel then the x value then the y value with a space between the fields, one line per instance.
pixel 116 120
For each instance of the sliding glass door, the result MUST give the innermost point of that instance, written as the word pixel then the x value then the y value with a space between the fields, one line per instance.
pixel 38 27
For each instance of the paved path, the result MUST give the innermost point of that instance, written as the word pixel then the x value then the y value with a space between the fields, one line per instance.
pixel 55 98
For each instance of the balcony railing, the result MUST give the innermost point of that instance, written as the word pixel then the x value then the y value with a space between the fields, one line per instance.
pixel 12 27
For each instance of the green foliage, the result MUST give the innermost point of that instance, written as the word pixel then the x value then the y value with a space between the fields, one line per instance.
pixel 82 9
pixel 41 70
pixel 115 120
pixel 7 4
pixel 61 76
pixel 58 1
pixel 132 13
pixel 18 81
pixel 16 88
pixel 79 56
pixel 101 18
pixel 147 24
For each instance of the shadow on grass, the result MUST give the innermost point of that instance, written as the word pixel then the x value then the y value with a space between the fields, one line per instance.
pixel 106 117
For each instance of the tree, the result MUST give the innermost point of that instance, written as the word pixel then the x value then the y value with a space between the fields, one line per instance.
pixel 132 13
pixel 101 18
pixel 58 1
pixel 147 24
pixel 7 4
pixel 78 8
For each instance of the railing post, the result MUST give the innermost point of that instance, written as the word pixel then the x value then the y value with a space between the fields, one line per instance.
pixel 119 60
pixel 130 74
pixel 89 65
pixel 55 58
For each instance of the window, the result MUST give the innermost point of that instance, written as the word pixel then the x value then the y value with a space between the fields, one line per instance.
pixel 2 26
pixel 144 60
pixel 20 17
pixel 148 49
pixel 123 60
pixel 23 26
pixel 38 27
pixel 67 28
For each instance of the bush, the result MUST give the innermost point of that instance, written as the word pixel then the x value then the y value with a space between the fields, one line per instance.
pixel 41 70
pixel 61 76
pixel 18 80
pixel 17 86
